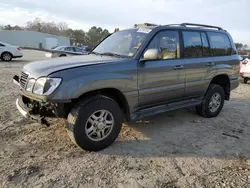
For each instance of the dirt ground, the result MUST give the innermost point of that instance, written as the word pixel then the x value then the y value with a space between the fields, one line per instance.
pixel 174 149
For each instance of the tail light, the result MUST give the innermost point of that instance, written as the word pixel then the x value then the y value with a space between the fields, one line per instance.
pixel 244 62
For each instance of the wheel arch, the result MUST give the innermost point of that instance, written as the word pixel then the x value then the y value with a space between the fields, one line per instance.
pixel 113 93
pixel 6 52
pixel 224 81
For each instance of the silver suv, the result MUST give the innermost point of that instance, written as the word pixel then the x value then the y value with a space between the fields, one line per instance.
pixel 133 73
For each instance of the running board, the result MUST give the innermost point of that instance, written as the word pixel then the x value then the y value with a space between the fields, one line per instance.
pixel 165 108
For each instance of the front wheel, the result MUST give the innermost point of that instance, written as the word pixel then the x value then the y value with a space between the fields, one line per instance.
pixel 94 124
pixel 213 102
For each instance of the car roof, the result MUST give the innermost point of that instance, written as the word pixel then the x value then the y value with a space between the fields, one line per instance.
pixel 184 26
pixel 5 43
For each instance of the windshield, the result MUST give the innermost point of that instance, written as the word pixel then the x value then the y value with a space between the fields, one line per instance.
pixel 59 48
pixel 124 43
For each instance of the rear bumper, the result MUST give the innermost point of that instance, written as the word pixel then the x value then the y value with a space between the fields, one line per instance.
pixel 234 83
pixel 245 75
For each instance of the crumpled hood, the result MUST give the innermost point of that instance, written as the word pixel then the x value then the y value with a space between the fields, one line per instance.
pixel 43 68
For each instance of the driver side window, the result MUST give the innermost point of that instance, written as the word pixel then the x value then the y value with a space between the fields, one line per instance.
pixel 167 43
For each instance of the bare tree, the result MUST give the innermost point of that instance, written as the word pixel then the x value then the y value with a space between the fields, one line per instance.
pixel 78 36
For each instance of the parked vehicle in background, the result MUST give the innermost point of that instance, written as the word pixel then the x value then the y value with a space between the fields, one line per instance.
pixel 54 47
pixel 89 48
pixel 63 51
pixel 132 74
pixel 8 52
pixel 245 68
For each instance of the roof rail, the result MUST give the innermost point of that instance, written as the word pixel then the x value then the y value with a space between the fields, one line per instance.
pixel 201 25
pixel 173 25
pixel 145 24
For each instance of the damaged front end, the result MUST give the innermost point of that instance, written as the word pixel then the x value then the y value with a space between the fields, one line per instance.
pixel 36 109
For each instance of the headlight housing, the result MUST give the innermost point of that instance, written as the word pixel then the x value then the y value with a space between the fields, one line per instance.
pixel 46 86
pixel 30 85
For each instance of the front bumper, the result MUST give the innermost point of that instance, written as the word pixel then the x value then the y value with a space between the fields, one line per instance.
pixel 21 108
pixel 25 111
pixel 38 110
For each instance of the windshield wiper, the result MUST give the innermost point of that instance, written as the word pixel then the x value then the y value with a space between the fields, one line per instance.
pixel 112 54
pixel 96 53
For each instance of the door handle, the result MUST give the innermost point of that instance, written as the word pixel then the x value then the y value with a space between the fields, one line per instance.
pixel 210 64
pixel 178 67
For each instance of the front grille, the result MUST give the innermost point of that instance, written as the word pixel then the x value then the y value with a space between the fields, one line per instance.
pixel 23 79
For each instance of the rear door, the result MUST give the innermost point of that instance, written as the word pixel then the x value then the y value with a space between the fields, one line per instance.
pixel 225 56
pixel 69 49
pixel 199 63
pixel 78 50
pixel 162 80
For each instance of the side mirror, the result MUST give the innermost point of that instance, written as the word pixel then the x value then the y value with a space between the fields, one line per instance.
pixel 151 54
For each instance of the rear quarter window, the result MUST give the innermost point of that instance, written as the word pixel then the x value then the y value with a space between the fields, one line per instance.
pixel 220 44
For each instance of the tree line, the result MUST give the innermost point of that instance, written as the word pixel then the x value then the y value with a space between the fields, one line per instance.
pixel 240 45
pixel 77 36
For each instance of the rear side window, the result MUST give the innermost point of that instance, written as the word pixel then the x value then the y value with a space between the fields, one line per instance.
pixel 69 49
pixel 78 50
pixel 220 44
pixel 192 44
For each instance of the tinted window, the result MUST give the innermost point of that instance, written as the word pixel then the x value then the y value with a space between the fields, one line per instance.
pixel 192 44
pixel 78 50
pixel 220 44
pixel 167 42
pixel 206 50
pixel 59 48
pixel 69 49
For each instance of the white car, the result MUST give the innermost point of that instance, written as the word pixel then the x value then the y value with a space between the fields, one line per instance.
pixel 7 51
pixel 245 68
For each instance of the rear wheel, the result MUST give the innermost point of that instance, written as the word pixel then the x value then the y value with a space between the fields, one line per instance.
pixel 245 80
pixel 94 124
pixel 213 102
pixel 62 55
pixel 6 56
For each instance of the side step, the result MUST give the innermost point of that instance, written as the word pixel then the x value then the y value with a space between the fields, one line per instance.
pixel 165 108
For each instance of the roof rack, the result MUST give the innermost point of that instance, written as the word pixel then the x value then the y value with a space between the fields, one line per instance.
pixel 201 25
pixel 192 24
pixel 145 24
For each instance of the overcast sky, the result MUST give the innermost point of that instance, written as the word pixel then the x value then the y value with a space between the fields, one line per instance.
pixel 232 15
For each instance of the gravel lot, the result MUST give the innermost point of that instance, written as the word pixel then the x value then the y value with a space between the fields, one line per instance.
pixel 175 149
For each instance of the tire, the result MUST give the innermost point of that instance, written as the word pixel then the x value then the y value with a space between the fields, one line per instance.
pixel 78 122
pixel 63 55
pixel 6 56
pixel 245 80
pixel 204 108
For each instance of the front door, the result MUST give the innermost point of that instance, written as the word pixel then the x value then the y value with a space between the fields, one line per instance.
pixel 162 80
